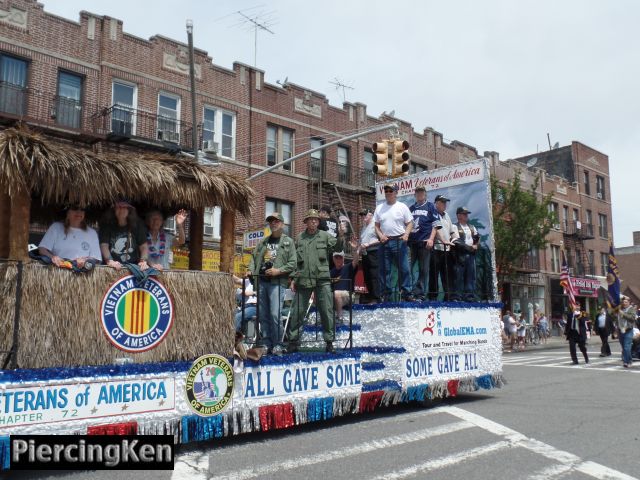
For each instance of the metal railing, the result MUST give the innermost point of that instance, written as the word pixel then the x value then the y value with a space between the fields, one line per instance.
pixel 123 122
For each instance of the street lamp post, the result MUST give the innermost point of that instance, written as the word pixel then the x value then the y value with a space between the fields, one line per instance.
pixel 192 76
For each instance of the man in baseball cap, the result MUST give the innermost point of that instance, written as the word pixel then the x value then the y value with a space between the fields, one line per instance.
pixel 443 256
pixel 421 241
pixel 466 248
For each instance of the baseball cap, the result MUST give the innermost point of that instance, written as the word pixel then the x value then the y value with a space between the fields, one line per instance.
pixel 441 198
pixel 311 213
pixel 462 210
pixel 365 211
pixel 393 187
pixel 338 254
pixel 123 202
pixel 275 216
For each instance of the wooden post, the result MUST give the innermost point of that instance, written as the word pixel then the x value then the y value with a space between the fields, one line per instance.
pixel 19 225
pixel 227 240
pixel 5 216
pixel 196 234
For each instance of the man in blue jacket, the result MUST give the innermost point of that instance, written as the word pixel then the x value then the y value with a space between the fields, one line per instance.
pixel 421 241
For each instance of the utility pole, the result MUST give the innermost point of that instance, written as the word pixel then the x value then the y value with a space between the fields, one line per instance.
pixel 192 75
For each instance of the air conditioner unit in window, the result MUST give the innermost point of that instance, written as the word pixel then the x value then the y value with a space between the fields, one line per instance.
pixel 599 195
pixel 208 230
pixel 168 136
pixel 210 146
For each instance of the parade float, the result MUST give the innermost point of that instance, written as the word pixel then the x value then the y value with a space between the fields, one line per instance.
pixel 100 353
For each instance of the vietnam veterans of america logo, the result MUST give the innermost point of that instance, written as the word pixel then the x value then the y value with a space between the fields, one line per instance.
pixel 209 385
pixel 136 318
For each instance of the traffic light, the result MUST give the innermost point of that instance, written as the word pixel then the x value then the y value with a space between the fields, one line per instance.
pixel 381 152
pixel 400 158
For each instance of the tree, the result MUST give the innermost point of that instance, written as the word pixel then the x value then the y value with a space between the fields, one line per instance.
pixel 521 221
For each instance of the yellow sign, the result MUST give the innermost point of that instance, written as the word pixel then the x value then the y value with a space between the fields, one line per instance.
pixel 210 261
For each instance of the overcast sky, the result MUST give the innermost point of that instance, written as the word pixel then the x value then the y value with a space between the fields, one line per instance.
pixel 495 74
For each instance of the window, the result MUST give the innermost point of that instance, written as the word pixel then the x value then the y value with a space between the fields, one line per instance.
pixel 284 208
pixel 212 222
pixel 569 257
pixel 579 265
pixel 600 193
pixel 589 221
pixel 602 226
pixel 416 168
pixel 221 140
pixel 604 263
pixel 279 145
pixel 368 177
pixel 68 106
pixel 13 83
pixel 316 167
pixel 591 258
pixel 565 217
pixel 587 187
pixel 343 164
pixel 553 208
pixel 123 108
pixel 555 258
pixel 168 118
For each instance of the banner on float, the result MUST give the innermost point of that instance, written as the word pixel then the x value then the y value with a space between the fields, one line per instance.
pixel 39 404
pixel 452 327
pixel 438 365
pixel 285 380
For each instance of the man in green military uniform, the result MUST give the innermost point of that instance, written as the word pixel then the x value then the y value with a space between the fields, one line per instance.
pixel 273 260
pixel 314 249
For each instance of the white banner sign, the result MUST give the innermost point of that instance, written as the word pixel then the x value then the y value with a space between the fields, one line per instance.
pixel 277 381
pixel 437 179
pixel 440 365
pixel 38 404
pixel 452 327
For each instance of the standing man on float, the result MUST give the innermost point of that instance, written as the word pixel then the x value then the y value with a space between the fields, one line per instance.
pixel 314 249
pixel 421 241
pixel 442 267
pixel 466 248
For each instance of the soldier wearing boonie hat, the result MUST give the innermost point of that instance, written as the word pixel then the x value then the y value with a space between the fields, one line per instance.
pixel 314 249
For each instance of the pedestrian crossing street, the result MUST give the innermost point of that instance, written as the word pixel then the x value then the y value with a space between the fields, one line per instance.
pixel 444 442
pixel 561 359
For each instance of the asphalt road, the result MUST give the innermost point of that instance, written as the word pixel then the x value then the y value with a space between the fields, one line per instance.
pixel 552 420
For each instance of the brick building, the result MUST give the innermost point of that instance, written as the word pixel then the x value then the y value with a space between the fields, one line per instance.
pixel 578 177
pixel 629 264
pixel 91 83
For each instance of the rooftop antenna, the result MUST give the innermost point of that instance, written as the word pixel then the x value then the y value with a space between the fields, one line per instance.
pixel 258 21
pixel 341 85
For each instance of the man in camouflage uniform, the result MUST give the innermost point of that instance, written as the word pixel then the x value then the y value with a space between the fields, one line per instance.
pixel 314 249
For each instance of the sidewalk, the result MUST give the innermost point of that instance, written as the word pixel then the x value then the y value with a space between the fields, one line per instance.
pixel 555 342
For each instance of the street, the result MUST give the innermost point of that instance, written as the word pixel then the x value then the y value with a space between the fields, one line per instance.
pixel 552 420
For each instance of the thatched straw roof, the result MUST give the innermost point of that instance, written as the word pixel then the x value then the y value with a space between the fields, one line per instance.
pixel 61 173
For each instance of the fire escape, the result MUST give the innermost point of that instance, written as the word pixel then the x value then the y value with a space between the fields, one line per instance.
pixel 575 234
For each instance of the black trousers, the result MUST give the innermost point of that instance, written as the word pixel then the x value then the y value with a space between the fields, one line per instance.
pixel 442 267
pixel 605 349
pixel 371 275
pixel 575 339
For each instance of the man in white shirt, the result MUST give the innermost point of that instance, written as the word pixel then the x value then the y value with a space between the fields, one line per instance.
pixel 466 248
pixel 442 267
pixel 393 224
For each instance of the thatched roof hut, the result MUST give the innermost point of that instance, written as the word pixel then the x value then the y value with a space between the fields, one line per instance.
pixel 51 173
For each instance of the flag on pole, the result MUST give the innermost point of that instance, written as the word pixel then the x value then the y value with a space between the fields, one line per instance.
pixel 613 279
pixel 565 281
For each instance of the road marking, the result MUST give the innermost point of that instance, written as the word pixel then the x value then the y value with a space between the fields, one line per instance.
pixel 553 471
pixel 191 466
pixel 329 456
pixel 447 461
pixel 588 468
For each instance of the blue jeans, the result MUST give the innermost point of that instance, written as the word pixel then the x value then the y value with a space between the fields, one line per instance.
pixel 626 339
pixel 466 278
pixel 421 255
pixel 249 313
pixel 270 300
pixel 394 252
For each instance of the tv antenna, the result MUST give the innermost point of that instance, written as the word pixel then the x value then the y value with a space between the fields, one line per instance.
pixel 341 85
pixel 261 21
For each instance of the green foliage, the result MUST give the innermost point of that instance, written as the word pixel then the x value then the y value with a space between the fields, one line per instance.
pixel 521 221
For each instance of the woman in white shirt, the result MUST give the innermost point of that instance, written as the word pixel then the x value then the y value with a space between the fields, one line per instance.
pixel 71 240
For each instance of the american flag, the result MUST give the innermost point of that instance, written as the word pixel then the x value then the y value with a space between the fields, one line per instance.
pixel 565 281
pixel 613 279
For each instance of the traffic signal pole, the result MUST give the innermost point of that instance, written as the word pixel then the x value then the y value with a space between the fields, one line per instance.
pixel 379 128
